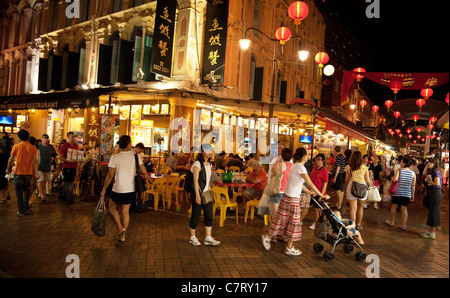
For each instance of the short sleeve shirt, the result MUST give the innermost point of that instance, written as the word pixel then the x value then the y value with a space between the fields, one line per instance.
pixel 125 166
pixel 63 151
pixel 262 176
pixel 319 177
pixel 24 153
pixel 359 175
pixel 295 183
pixel 340 162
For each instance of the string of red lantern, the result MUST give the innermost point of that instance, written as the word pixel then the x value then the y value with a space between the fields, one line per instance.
pixel 298 11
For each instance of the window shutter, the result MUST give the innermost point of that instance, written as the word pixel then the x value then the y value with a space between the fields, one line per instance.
pixel 104 63
pixel 125 61
pixel 43 73
pixel 258 85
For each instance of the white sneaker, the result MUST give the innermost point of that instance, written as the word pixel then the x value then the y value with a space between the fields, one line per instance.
pixel 266 241
pixel 313 226
pixel 211 241
pixel 194 241
pixel 391 223
pixel 293 251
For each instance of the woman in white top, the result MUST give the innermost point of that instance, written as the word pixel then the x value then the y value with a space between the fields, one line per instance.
pixel 201 198
pixel 122 167
pixel 287 221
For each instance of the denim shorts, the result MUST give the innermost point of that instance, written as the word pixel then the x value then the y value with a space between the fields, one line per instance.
pixel 276 198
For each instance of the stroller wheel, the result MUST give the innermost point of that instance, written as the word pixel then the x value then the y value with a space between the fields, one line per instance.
pixel 328 256
pixel 360 256
pixel 348 248
pixel 318 248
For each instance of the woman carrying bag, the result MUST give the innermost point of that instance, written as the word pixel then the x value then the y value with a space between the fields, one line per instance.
pixel 201 196
pixel 434 181
pixel 358 181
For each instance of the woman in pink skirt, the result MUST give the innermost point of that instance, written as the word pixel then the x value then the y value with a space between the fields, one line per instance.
pixel 287 221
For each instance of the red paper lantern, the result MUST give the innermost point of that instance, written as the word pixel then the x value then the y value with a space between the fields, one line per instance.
pixel 397 114
pixel 419 129
pixel 415 118
pixel 375 108
pixel 420 102
pixel 321 58
pixel 430 126
pixel 362 103
pixel 396 86
pixel 359 76
pixel 392 133
pixel 283 34
pixel 418 136
pixel 397 131
pixel 410 136
pixel 298 11
pixel 400 135
pixel 408 130
pixel 423 140
pixel 446 99
pixel 433 136
pixel 426 93
pixel 388 104
pixel 414 141
pixel 433 119
pixel 427 136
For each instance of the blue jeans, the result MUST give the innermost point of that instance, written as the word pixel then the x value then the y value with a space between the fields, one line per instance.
pixel 22 185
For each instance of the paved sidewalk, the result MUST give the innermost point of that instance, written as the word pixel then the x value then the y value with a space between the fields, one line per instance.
pixel 158 246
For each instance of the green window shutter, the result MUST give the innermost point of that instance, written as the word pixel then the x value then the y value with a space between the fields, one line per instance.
pixel 146 63
pixel 136 58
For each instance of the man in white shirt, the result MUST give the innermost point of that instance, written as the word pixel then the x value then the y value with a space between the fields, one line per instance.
pixel 122 167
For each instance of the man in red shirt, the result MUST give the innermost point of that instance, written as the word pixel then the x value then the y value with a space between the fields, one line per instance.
pixel 69 168
pixel 259 177
pixel 319 177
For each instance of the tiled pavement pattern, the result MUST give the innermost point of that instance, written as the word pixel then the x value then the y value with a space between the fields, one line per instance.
pixel 158 246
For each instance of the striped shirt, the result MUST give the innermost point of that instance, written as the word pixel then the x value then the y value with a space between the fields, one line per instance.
pixel 340 162
pixel 404 183
pixel 359 175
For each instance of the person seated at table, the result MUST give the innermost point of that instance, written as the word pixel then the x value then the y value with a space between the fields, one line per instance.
pixel 148 163
pixel 236 161
pixel 259 178
pixel 172 161
pixel 220 161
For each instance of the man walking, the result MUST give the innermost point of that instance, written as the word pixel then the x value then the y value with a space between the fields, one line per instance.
pixel 338 175
pixel 26 165
pixel 47 152
pixel 69 168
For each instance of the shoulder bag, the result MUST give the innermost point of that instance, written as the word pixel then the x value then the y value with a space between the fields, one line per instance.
pixel 394 186
pixel 359 190
pixel 273 187
pixel 139 184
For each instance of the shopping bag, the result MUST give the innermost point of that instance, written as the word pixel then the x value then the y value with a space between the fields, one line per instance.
pixel 263 207
pixel 373 195
pixel 99 220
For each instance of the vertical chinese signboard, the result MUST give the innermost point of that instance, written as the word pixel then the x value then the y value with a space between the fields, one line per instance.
pixel 93 128
pixel 215 40
pixel 163 37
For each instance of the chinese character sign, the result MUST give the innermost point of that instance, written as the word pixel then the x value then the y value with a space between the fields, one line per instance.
pixel 215 40
pixel 163 37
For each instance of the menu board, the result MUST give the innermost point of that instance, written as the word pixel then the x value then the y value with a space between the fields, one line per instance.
pixel 146 110
pixel 205 118
pixel 136 112
pixel 164 109
pixel 124 112
pixel 217 119
pixel 73 154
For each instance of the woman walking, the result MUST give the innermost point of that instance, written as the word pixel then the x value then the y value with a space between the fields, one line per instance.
pixel 284 166
pixel 405 191
pixel 287 221
pixel 434 181
pixel 122 168
pixel 356 172
pixel 201 197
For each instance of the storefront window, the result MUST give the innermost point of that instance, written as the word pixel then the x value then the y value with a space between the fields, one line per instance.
pixel 163 135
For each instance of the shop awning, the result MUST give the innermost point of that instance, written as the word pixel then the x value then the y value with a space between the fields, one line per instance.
pixel 340 125
pixel 75 99
pixel 443 121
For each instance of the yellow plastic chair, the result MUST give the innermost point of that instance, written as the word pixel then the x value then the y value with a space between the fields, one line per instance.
pixel 234 169
pixel 157 190
pixel 76 183
pixel 148 186
pixel 222 200
pixel 166 170
pixel 170 189
pixel 180 190
pixel 175 174
pixel 251 206
pixel 238 193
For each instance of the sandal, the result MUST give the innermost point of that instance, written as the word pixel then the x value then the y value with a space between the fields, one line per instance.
pixel 121 236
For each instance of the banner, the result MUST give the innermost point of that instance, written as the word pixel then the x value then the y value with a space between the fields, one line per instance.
pixel 215 41
pixel 163 37
pixel 409 81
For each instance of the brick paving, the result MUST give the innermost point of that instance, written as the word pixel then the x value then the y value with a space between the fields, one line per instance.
pixel 36 246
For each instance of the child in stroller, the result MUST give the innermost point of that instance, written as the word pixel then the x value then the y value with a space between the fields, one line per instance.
pixel 334 230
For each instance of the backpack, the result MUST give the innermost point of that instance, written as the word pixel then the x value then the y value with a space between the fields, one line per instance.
pixel 189 180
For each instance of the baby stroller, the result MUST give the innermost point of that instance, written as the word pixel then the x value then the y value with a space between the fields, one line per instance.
pixel 333 231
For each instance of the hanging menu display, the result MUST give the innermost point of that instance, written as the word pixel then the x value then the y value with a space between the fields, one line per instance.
pixel 215 41
pixel 163 37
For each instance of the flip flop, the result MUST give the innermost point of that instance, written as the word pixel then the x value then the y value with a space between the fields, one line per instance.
pixel 121 236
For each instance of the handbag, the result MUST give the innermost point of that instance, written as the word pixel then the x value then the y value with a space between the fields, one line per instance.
pixel 206 197
pixel 274 185
pixel 394 186
pixel 359 190
pixel 99 220
pixel 263 207
pixel 373 195
pixel 139 185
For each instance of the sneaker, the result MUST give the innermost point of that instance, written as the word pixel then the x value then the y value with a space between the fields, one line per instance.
pixel 313 226
pixel 266 241
pixel 194 241
pixel 20 214
pixel 211 241
pixel 391 223
pixel 403 228
pixel 428 235
pixel 293 251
